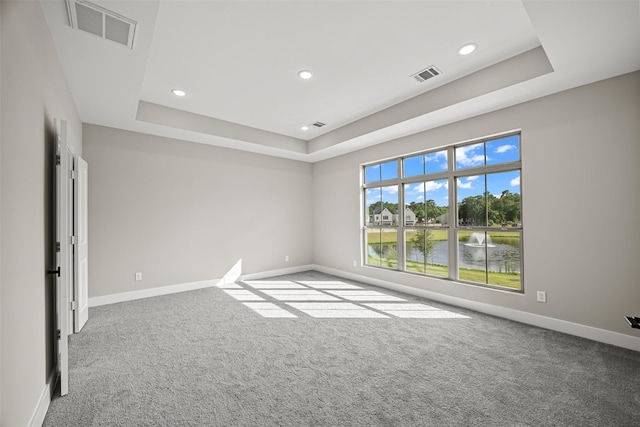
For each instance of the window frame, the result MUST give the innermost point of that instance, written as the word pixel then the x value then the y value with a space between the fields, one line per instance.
pixel 453 227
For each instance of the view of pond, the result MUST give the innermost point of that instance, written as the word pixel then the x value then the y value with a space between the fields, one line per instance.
pixel 502 258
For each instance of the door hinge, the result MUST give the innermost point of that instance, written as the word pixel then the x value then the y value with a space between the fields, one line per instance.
pixel 58 334
pixel 57 246
pixel 57 159
pixel 73 174
pixel 72 305
pixel 73 240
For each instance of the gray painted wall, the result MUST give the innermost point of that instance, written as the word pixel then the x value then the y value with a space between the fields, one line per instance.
pixel 580 175
pixel 34 92
pixel 181 212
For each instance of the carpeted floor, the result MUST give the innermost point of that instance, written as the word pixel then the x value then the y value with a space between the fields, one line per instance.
pixel 264 354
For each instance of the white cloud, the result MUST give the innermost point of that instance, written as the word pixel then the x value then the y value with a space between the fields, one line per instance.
pixel 464 184
pixel 504 148
pixel 465 156
pixel 472 178
pixel 515 182
pixel 429 185
pixel 390 190
pixel 435 185
pixel 432 157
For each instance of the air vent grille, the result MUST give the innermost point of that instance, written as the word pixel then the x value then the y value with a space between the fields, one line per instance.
pixel 93 19
pixel 426 74
pixel 318 124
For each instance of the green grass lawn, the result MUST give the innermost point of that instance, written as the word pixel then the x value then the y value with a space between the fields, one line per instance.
pixel 441 234
pixel 507 280
pixel 392 236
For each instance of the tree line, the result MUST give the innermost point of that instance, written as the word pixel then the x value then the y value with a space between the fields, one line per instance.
pixel 479 210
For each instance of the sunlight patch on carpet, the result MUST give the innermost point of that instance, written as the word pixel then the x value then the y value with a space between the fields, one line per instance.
pixel 268 309
pixel 264 284
pixel 243 295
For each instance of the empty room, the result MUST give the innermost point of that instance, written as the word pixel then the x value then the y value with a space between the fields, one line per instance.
pixel 319 213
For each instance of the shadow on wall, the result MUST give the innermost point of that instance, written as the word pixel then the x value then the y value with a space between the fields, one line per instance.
pixel 49 185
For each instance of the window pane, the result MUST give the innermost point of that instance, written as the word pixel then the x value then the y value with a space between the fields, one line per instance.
pixel 503 150
pixel 472 256
pixel 504 259
pixel 371 174
pixel 427 252
pixel 414 201
pixel 390 170
pixel 414 166
pixel 382 247
pixel 373 199
pixel 470 156
pixel 437 202
pixel 436 162
pixel 374 246
pixel 389 243
pixel 491 257
pixel 503 193
pixel 471 200
pixel 388 210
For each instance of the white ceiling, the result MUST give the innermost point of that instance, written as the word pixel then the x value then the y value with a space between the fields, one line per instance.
pixel 238 63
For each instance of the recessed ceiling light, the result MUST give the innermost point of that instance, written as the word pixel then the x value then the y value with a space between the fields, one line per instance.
pixel 467 49
pixel 178 92
pixel 305 74
pixel 304 128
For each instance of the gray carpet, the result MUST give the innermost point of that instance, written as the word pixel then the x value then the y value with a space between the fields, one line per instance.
pixel 203 358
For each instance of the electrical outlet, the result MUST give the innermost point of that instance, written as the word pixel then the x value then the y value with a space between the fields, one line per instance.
pixel 542 296
pixel 286 258
pixel 138 276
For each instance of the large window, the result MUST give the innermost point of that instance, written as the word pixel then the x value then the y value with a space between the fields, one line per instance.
pixel 454 213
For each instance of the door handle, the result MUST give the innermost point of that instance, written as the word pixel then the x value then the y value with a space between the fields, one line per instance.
pixel 56 271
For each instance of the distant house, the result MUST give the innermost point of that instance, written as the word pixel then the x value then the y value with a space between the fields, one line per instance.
pixel 443 219
pixel 382 216
pixel 409 217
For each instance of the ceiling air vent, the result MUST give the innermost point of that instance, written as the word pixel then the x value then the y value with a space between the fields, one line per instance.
pixel 101 22
pixel 426 74
pixel 318 124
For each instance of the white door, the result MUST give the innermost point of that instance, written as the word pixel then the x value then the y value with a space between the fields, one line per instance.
pixel 61 337
pixel 81 253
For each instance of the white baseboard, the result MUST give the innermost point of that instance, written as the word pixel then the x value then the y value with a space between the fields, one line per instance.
pixel 589 332
pixel 172 289
pixel 40 411
pixel 151 292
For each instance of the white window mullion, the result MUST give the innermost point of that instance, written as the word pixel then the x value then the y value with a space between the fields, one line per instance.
pixel 453 217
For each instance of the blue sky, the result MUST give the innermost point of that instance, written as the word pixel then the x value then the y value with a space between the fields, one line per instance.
pixel 501 150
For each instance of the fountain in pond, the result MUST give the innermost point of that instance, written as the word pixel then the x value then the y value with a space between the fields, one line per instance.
pixel 476 240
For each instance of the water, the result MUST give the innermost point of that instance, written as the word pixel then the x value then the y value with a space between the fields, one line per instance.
pixel 502 258
pixel 477 240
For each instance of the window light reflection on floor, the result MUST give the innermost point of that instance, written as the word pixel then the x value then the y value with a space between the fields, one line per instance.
pixel 243 295
pixel 295 295
pixel 329 284
pixel 336 310
pixel 329 299
pixel 267 309
pixel 365 296
pixel 284 284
